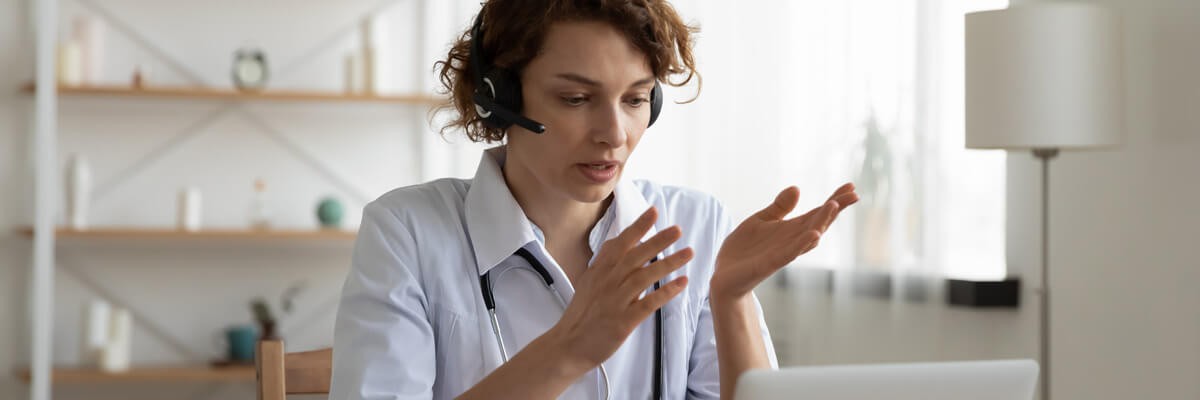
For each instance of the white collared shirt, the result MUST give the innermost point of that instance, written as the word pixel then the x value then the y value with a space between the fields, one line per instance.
pixel 412 323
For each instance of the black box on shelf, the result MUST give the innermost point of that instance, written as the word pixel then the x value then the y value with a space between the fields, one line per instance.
pixel 999 294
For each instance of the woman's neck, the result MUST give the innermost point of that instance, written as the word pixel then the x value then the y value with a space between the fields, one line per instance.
pixel 565 222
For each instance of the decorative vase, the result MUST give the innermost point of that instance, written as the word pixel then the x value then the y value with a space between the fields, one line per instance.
pixel 260 215
pixel 119 349
pixel 189 210
pixel 89 33
pixel 70 63
pixel 329 212
pixel 95 338
pixel 78 191
pixel 367 56
pixel 352 73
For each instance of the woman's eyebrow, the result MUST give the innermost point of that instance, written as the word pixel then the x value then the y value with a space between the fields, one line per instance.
pixel 589 82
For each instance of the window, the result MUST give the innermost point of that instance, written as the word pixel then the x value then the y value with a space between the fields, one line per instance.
pixel 817 93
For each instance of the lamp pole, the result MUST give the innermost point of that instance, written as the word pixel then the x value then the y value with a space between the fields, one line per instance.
pixel 1045 154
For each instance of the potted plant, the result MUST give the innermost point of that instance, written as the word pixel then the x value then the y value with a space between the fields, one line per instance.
pixel 266 319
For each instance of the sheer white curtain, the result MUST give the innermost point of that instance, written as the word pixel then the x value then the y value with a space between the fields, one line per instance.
pixel 815 93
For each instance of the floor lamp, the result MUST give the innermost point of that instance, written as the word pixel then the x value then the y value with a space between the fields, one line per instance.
pixel 1044 76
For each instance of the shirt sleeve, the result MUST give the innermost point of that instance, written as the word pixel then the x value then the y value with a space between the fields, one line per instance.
pixel 704 376
pixel 383 343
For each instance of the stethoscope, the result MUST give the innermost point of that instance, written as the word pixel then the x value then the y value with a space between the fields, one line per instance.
pixel 488 300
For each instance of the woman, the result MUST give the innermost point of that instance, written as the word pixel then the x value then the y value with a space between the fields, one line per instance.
pixel 449 292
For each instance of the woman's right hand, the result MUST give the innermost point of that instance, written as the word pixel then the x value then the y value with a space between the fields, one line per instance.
pixel 606 307
pixel 605 310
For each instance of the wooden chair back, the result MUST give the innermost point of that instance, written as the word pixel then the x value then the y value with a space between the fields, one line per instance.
pixel 280 373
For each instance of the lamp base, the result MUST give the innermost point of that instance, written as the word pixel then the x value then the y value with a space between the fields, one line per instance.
pixel 1045 153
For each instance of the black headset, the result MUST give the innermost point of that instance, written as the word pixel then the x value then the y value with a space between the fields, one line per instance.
pixel 498 90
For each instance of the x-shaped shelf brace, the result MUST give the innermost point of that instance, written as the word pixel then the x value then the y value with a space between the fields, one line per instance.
pixel 191 131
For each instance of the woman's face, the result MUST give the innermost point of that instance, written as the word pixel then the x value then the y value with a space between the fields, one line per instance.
pixel 591 88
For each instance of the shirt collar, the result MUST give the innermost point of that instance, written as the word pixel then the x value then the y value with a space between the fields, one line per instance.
pixel 498 226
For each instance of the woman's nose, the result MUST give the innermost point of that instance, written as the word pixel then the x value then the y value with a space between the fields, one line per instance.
pixel 609 126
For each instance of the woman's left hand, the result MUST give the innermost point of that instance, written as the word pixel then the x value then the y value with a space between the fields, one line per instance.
pixel 765 242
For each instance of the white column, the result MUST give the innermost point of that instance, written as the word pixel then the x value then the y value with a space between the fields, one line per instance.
pixel 45 197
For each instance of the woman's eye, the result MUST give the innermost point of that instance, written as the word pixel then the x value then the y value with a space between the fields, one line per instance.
pixel 638 101
pixel 574 101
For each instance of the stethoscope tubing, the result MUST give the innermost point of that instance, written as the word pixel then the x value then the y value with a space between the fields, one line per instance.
pixel 489 302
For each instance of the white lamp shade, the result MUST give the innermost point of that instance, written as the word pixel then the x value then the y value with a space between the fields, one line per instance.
pixel 1044 75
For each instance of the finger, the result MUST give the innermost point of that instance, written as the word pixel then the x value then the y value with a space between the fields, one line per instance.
pixel 642 309
pixel 811 219
pixel 846 199
pixel 843 200
pixel 844 196
pixel 783 204
pixel 642 253
pixel 633 234
pixel 845 188
pixel 829 215
pixel 642 278
pixel 799 244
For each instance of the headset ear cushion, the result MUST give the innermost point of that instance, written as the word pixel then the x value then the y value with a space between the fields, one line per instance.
pixel 499 87
pixel 508 89
pixel 656 102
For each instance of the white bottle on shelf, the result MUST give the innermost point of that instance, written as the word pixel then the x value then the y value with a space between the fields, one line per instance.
pixel 96 329
pixel 70 63
pixel 352 79
pixel 189 209
pixel 260 217
pixel 89 33
pixel 118 351
pixel 367 59
pixel 78 191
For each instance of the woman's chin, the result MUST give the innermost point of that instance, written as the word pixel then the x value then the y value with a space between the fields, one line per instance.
pixel 592 193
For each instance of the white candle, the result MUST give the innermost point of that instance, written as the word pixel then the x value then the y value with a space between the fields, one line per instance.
pixel 70 64
pixel 118 351
pixel 96 332
pixel 189 209
pixel 79 186
pixel 89 33
pixel 352 74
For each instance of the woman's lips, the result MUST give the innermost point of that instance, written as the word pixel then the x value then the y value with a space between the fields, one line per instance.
pixel 598 172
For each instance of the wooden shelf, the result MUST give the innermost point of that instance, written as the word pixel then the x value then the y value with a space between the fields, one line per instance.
pixel 231 94
pixel 198 373
pixel 223 234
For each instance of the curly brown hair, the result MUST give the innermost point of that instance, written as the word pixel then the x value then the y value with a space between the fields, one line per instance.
pixel 653 26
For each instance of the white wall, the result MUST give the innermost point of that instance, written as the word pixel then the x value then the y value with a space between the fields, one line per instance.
pixel 1125 227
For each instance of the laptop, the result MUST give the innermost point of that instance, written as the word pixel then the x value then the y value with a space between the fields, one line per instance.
pixel 974 380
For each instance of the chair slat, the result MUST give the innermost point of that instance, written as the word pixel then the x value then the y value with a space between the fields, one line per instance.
pixel 309 372
pixel 268 367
